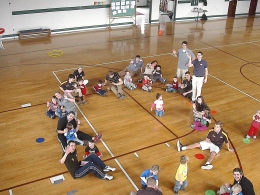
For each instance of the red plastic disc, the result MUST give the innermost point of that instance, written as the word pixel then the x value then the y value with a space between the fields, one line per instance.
pixel 199 156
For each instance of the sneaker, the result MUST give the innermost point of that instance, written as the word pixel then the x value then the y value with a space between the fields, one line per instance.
pixel 80 103
pixel 108 168
pixel 166 90
pixel 121 97
pixel 108 177
pixel 207 167
pixel 98 137
pixel 248 137
pixel 149 90
pixel 192 126
pixel 179 146
pixel 164 80
pixel 84 102
pixel 254 137
pixel 52 116
pixel 175 192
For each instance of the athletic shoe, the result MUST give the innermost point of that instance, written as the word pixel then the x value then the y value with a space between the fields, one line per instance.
pixel 175 192
pixel 98 137
pixel 166 89
pixel 108 168
pixel 207 167
pixel 179 146
pixel 121 97
pixel 84 102
pixel 108 177
pixel 192 126
pixel 248 137
pixel 52 116
pixel 80 103
pixel 254 137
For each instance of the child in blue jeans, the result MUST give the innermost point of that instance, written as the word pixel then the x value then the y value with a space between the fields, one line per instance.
pixel 159 106
pixel 181 175
pixel 52 107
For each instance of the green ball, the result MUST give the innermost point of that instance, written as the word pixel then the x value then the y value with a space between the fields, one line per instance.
pixel 210 192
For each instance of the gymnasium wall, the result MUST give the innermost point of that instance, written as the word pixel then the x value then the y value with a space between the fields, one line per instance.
pixel 74 15
pixel 215 9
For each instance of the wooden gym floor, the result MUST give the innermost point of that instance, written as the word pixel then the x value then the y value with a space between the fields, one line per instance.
pixel 29 75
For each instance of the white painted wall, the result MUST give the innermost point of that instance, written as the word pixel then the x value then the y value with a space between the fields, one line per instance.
pixel 53 20
pixel 242 7
pixel 214 8
pixel 91 17
pixel 155 10
pixel 258 7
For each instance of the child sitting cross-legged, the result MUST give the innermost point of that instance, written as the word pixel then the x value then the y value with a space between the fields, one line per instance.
pixel 128 81
pixel 98 89
pixel 202 120
pixel 61 112
pixel 146 84
pixel 174 86
pixel 52 107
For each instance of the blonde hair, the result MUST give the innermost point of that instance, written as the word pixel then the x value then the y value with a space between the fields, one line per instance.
pixel 155 168
pixel 184 159
pixel 236 188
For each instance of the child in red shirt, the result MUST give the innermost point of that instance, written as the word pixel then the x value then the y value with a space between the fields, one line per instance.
pixel 82 87
pixel 92 149
pixel 254 126
pixel 146 84
pixel 174 86
pixel 98 89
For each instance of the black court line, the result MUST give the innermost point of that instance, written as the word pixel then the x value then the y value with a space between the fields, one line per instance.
pixel 249 63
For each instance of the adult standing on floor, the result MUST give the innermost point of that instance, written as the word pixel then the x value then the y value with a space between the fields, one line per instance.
pixel 135 64
pixel 183 60
pixel 116 84
pixel 200 74
pixel 70 118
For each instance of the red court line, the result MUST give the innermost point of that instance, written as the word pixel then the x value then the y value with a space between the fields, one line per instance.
pixel 14 109
pixel 30 182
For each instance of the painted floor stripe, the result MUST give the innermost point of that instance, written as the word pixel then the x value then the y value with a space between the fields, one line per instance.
pixel 107 148
pixel 235 88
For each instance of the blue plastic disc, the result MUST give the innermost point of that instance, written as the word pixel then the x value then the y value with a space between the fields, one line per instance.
pixel 40 140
